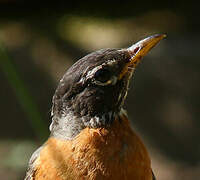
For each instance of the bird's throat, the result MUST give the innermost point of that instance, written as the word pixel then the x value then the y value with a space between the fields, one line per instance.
pixel 68 126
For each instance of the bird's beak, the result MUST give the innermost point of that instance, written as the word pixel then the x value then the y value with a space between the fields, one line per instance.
pixel 139 50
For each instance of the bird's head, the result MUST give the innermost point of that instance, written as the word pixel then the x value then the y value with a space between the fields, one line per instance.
pixel 96 85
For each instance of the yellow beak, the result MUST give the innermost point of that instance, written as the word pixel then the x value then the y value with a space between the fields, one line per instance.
pixel 139 50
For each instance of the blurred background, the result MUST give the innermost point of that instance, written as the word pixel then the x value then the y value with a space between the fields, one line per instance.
pixel 39 41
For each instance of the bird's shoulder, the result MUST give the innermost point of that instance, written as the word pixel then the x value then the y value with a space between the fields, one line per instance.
pixel 32 165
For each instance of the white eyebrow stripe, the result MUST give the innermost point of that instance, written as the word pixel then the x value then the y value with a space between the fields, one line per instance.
pixel 91 72
pixel 109 62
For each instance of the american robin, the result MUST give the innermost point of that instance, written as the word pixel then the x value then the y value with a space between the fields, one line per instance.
pixel 91 136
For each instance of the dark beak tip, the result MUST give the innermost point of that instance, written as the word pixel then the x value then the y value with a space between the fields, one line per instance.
pixel 140 49
pixel 150 41
pixel 160 36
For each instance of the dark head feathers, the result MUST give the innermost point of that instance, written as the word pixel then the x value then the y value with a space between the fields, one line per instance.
pixel 77 92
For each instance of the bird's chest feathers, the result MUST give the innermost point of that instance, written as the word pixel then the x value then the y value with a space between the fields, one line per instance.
pixel 95 153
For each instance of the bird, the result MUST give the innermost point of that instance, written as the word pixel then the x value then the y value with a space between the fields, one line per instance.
pixel 91 137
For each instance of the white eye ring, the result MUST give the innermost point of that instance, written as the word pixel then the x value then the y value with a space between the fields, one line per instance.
pixel 111 81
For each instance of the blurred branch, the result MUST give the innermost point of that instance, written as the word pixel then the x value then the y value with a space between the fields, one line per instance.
pixel 22 94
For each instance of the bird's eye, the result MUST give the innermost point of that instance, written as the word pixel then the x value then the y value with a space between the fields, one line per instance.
pixel 102 75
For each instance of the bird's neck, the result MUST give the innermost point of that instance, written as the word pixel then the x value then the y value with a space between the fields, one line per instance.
pixel 70 125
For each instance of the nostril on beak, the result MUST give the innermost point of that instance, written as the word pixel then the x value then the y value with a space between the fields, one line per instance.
pixel 136 50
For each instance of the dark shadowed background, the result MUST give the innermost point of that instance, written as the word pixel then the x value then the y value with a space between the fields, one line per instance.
pixel 40 41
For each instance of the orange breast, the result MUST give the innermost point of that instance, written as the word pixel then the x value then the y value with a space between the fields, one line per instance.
pixel 96 154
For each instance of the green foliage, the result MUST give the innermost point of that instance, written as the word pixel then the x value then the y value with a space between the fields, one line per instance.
pixel 22 93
